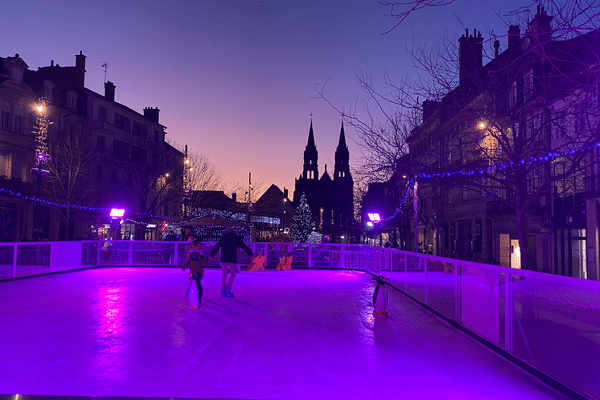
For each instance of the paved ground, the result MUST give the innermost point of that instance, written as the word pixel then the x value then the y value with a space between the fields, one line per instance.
pixel 287 335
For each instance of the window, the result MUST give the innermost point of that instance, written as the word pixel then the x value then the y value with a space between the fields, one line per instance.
pixel 4 120
pixel 5 164
pixel 72 100
pixel 529 92
pixel 48 86
pixel 580 118
pixel 140 130
pixel 138 154
pixel 73 131
pixel 120 149
pixel 101 142
pixel 101 113
pixel 512 98
pixel 99 172
pixel 122 123
pixel 114 176
pixel 156 136
pixel 18 123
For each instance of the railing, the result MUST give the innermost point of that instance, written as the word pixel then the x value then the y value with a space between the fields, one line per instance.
pixel 547 321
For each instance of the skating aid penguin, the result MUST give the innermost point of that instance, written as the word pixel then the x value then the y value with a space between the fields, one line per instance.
pixel 380 297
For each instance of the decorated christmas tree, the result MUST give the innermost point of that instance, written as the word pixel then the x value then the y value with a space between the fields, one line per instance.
pixel 302 225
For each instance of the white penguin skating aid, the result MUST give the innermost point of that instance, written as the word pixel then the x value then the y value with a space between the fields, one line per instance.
pixel 380 298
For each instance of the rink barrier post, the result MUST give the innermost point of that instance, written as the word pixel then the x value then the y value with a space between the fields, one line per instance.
pixel 176 253
pixel 14 267
pixel 130 253
pixel 508 312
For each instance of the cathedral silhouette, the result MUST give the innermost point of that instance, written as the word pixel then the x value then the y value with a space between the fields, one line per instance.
pixel 331 201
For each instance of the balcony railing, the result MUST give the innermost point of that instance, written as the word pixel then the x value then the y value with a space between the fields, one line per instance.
pixel 546 323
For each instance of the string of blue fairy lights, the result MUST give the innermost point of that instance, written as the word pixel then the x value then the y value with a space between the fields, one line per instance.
pixel 492 168
pixel 50 203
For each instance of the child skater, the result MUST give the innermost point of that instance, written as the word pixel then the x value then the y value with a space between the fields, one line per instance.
pixel 196 263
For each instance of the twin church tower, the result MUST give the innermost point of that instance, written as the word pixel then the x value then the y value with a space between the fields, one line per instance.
pixel 331 200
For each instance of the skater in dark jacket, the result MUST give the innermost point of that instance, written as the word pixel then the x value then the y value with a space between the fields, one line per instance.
pixel 229 244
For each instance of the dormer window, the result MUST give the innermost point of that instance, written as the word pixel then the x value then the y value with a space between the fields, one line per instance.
pixel 48 87
pixel 17 74
pixel 72 100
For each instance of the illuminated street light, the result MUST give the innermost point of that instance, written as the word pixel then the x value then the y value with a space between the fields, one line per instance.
pixel 40 131
pixel 375 219
pixel 116 215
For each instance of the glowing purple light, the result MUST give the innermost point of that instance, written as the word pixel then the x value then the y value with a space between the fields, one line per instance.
pixel 374 217
pixel 117 212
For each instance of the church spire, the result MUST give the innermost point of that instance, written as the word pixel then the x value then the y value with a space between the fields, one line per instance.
pixel 311 155
pixel 342 158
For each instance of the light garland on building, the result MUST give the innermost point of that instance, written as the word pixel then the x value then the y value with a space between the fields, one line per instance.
pixel 498 167
pixel 50 203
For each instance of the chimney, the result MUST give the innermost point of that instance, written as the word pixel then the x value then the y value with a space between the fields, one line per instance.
pixel 234 196
pixel 496 48
pixel 540 27
pixel 428 108
pixel 285 193
pixel 109 91
pixel 151 114
pixel 80 70
pixel 514 37
pixel 470 58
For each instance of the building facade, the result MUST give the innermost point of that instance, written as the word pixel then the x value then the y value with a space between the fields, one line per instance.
pixel 506 163
pixel 102 155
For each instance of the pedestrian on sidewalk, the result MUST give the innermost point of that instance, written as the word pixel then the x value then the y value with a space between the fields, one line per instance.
pixel 229 244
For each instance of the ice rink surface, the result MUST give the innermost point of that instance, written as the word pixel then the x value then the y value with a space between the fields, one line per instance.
pixel 301 334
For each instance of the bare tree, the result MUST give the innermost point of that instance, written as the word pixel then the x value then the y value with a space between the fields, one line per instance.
pixel 400 10
pixel 203 175
pixel 68 182
pixel 151 182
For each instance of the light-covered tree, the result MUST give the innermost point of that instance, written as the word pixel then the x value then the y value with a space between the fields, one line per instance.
pixel 302 224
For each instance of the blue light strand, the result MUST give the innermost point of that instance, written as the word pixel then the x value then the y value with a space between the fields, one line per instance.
pixel 50 203
pixel 547 157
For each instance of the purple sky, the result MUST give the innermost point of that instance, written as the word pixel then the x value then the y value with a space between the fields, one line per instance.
pixel 235 80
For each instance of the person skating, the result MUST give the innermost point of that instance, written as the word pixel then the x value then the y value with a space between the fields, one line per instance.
pixel 229 244
pixel 196 263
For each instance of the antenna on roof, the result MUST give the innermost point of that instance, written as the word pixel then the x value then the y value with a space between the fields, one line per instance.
pixel 105 66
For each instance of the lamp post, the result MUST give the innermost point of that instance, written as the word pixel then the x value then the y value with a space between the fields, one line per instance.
pixel 116 215
pixel 283 216
pixel 375 219
pixel 41 155
pixel 186 183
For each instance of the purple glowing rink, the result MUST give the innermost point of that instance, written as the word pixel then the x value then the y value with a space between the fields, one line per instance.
pixel 301 334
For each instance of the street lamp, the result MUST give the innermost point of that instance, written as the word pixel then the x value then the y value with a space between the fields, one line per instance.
pixel 41 155
pixel 116 215
pixel 283 216
pixel 186 183
pixel 375 220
